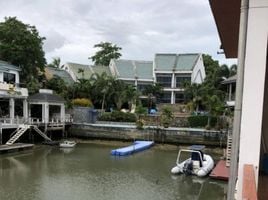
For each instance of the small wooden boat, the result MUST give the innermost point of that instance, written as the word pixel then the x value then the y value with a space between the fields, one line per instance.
pixel 67 144
pixel 199 164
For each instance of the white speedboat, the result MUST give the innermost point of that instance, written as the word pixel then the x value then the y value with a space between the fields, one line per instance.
pixel 67 144
pixel 198 164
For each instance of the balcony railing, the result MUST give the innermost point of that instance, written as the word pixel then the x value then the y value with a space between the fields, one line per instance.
pixel 12 89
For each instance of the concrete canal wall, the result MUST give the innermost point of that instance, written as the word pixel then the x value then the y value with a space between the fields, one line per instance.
pixel 128 131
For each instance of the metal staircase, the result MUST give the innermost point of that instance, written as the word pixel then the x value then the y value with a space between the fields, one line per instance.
pixel 229 149
pixel 19 132
pixel 41 133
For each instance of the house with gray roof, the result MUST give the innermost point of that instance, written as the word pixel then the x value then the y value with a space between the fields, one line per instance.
pixel 78 71
pixel 51 72
pixel 136 72
pixel 172 70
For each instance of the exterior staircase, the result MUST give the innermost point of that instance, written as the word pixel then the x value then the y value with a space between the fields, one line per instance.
pixel 19 132
pixel 41 133
pixel 229 149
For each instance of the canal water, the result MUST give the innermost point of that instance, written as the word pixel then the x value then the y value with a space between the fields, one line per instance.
pixel 88 172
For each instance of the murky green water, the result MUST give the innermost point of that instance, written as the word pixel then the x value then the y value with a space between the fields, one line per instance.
pixel 88 172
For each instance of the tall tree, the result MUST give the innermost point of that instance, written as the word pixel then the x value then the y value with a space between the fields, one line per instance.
pixel 106 52
pixel 21 45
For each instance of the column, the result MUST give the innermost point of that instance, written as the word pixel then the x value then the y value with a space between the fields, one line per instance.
pixel 62 113
pixel 11 109
pixel 25 108
pixel 172 97
pixel 230 92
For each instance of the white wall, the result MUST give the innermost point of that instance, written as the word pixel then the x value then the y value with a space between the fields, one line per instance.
pixel 253 91
pixel 199 73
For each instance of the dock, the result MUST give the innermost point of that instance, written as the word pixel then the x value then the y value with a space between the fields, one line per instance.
pixel 220 172
pixel 15 147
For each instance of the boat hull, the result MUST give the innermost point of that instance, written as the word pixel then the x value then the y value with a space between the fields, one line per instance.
pixel 208 165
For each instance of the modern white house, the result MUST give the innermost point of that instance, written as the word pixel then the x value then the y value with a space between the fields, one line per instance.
pixel 135 72
pixel 243 30
pixel 172 70
pixel 169 70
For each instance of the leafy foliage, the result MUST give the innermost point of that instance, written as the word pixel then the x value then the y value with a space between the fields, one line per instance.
pixel 55 63
pixel 201 121
pixel 107 52
pixel 82 102
pixel 21 45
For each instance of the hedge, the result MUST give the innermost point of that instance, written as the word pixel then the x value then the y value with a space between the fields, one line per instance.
pixel 117 116
pixel 201 121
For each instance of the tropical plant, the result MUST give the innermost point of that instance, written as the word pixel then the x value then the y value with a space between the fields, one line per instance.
pixel 107 52
pixel 166 116
pixel 55 63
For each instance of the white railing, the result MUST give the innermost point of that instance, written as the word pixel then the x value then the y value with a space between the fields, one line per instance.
pixel 34 121
pixel 12 89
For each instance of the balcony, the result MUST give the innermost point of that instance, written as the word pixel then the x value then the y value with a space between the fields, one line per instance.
pixel 12 90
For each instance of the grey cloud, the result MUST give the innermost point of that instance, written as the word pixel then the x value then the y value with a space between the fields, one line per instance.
pixel 53 41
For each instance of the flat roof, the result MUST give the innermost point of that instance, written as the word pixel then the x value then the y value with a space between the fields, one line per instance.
pixel 227 17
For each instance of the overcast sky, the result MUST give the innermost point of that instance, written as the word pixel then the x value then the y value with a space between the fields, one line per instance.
pixel 141 27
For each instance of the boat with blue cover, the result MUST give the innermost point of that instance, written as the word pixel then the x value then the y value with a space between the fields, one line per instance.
pixel 135 147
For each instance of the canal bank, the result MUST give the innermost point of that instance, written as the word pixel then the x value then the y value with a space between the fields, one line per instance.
pixel 129 132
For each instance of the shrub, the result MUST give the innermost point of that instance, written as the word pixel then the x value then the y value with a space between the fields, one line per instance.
pixel 82 102
pixel 117 116
pixel 141 110
pixel 201 121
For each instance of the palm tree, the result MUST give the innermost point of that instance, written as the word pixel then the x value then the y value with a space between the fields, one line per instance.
pixel 55 63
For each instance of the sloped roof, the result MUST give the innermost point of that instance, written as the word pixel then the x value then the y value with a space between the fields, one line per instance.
pixel 7 66
pixel 75 67
pixel 101 69
pixel 46 97
pixel 231 79
pixel 177 62
pixel 133 69
pixel 50 72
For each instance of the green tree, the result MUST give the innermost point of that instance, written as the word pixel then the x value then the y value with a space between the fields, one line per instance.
pixel 233 70
pixel 21 45
pixel 106 52
pixel 58 85
pixel 55 63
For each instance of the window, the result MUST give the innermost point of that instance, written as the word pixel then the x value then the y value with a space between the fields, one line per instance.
pixel 9 78
pixel 141 87
pixel 164 80
pixel 179 98
pixel 181 79
pixel 166 98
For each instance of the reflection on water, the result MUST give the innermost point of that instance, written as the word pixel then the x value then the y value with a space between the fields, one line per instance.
pixel 89 172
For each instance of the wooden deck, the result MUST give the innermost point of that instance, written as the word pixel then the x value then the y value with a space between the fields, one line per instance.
pixel 220 172
pixel 15 147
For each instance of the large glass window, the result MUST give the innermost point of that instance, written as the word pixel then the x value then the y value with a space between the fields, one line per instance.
pixel 166 97
pixel 9 78
pixel 181 79
pixel 164 80
pixel 179 98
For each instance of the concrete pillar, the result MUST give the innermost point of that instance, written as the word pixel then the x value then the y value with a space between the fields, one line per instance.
pixel 11 109
pixel 173 82
pixel 25 108
pixel 172 97
pixel 230 92
pixel 45 113
pixel 62 113
pixel 1 132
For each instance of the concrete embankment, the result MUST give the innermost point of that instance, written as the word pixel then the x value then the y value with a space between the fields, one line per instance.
pixel 128 132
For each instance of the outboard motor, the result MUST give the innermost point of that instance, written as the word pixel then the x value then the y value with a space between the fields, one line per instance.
pixel 188 167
